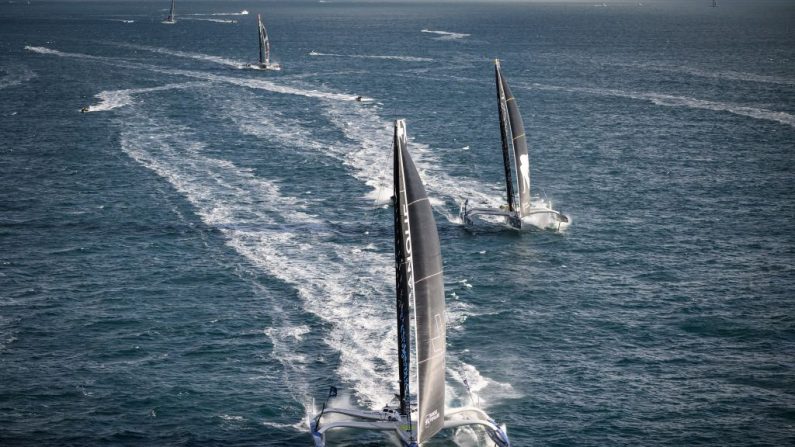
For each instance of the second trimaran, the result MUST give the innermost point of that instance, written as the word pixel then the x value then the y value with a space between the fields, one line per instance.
pixel 171 19
pixel 264 49
pixel 419 412
pixel 516 160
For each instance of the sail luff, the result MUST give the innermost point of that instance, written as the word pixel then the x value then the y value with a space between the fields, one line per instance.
pixel 506 158
pixel 425 289
pixel 519 142
pixel 402 289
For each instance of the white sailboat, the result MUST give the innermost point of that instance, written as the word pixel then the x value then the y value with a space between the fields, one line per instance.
pixel 264 50
pixel 171 19
pixel 519 211
pixel 419 411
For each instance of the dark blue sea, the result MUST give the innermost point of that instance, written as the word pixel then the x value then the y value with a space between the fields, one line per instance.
pixel 209 247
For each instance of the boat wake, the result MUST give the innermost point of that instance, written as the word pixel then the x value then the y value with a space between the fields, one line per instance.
pixel 446 35
pixel 729 75
pixel 113 99
pixel 257 84
pixel 183 54
pixel 367 56
pixel 210 20
pixel 677 101
pixel 241 13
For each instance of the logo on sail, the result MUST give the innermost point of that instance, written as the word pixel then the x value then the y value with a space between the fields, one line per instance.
pixel 430 417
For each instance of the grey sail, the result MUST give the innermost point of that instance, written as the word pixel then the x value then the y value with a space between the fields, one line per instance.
pixel 518 141
pixel 264 43
pixel 170 17
pixel 421 285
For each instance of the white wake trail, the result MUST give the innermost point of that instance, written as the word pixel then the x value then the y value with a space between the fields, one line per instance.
pixel 113 99
pixel 184 54
pixel 446 35
pixel 260 84
pixel 677 101
pixel 370 56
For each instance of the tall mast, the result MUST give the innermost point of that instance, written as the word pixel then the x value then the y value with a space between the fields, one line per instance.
pixel 402 269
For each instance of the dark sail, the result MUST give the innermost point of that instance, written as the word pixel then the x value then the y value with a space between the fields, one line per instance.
pixel 420 284
pixel 506 157
pixel 170 17
pixel 518 141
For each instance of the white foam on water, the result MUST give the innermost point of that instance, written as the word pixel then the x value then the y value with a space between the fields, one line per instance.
pixel 184 54
pixel 264 84
pixel 678 101
pixel 480 386
pixel 370 56
pixel 729 75
pixel 210 20
pixel 227 417
pixel 446 35
pixel 348 289
pixel 261 84
pixel 241 13
pixel 15 75
pixel 299 426
pixel 50 51
pixel 370 157
pixel 113 99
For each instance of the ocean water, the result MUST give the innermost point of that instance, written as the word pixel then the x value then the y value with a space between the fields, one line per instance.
pixel 209 248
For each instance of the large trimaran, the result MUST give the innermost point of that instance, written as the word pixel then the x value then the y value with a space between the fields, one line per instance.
pixel 516 160
pixel 419 412
pixel 171 19
pixel 264 49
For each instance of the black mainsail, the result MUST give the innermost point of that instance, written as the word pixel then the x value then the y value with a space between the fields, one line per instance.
pixel 420 286
pixel 264 43
pixel 521 160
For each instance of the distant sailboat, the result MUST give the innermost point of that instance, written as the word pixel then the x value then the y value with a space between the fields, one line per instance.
pixel 264 49
pixel 419 411
pixel 714 3
pixel 171 19
pixel 516 161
